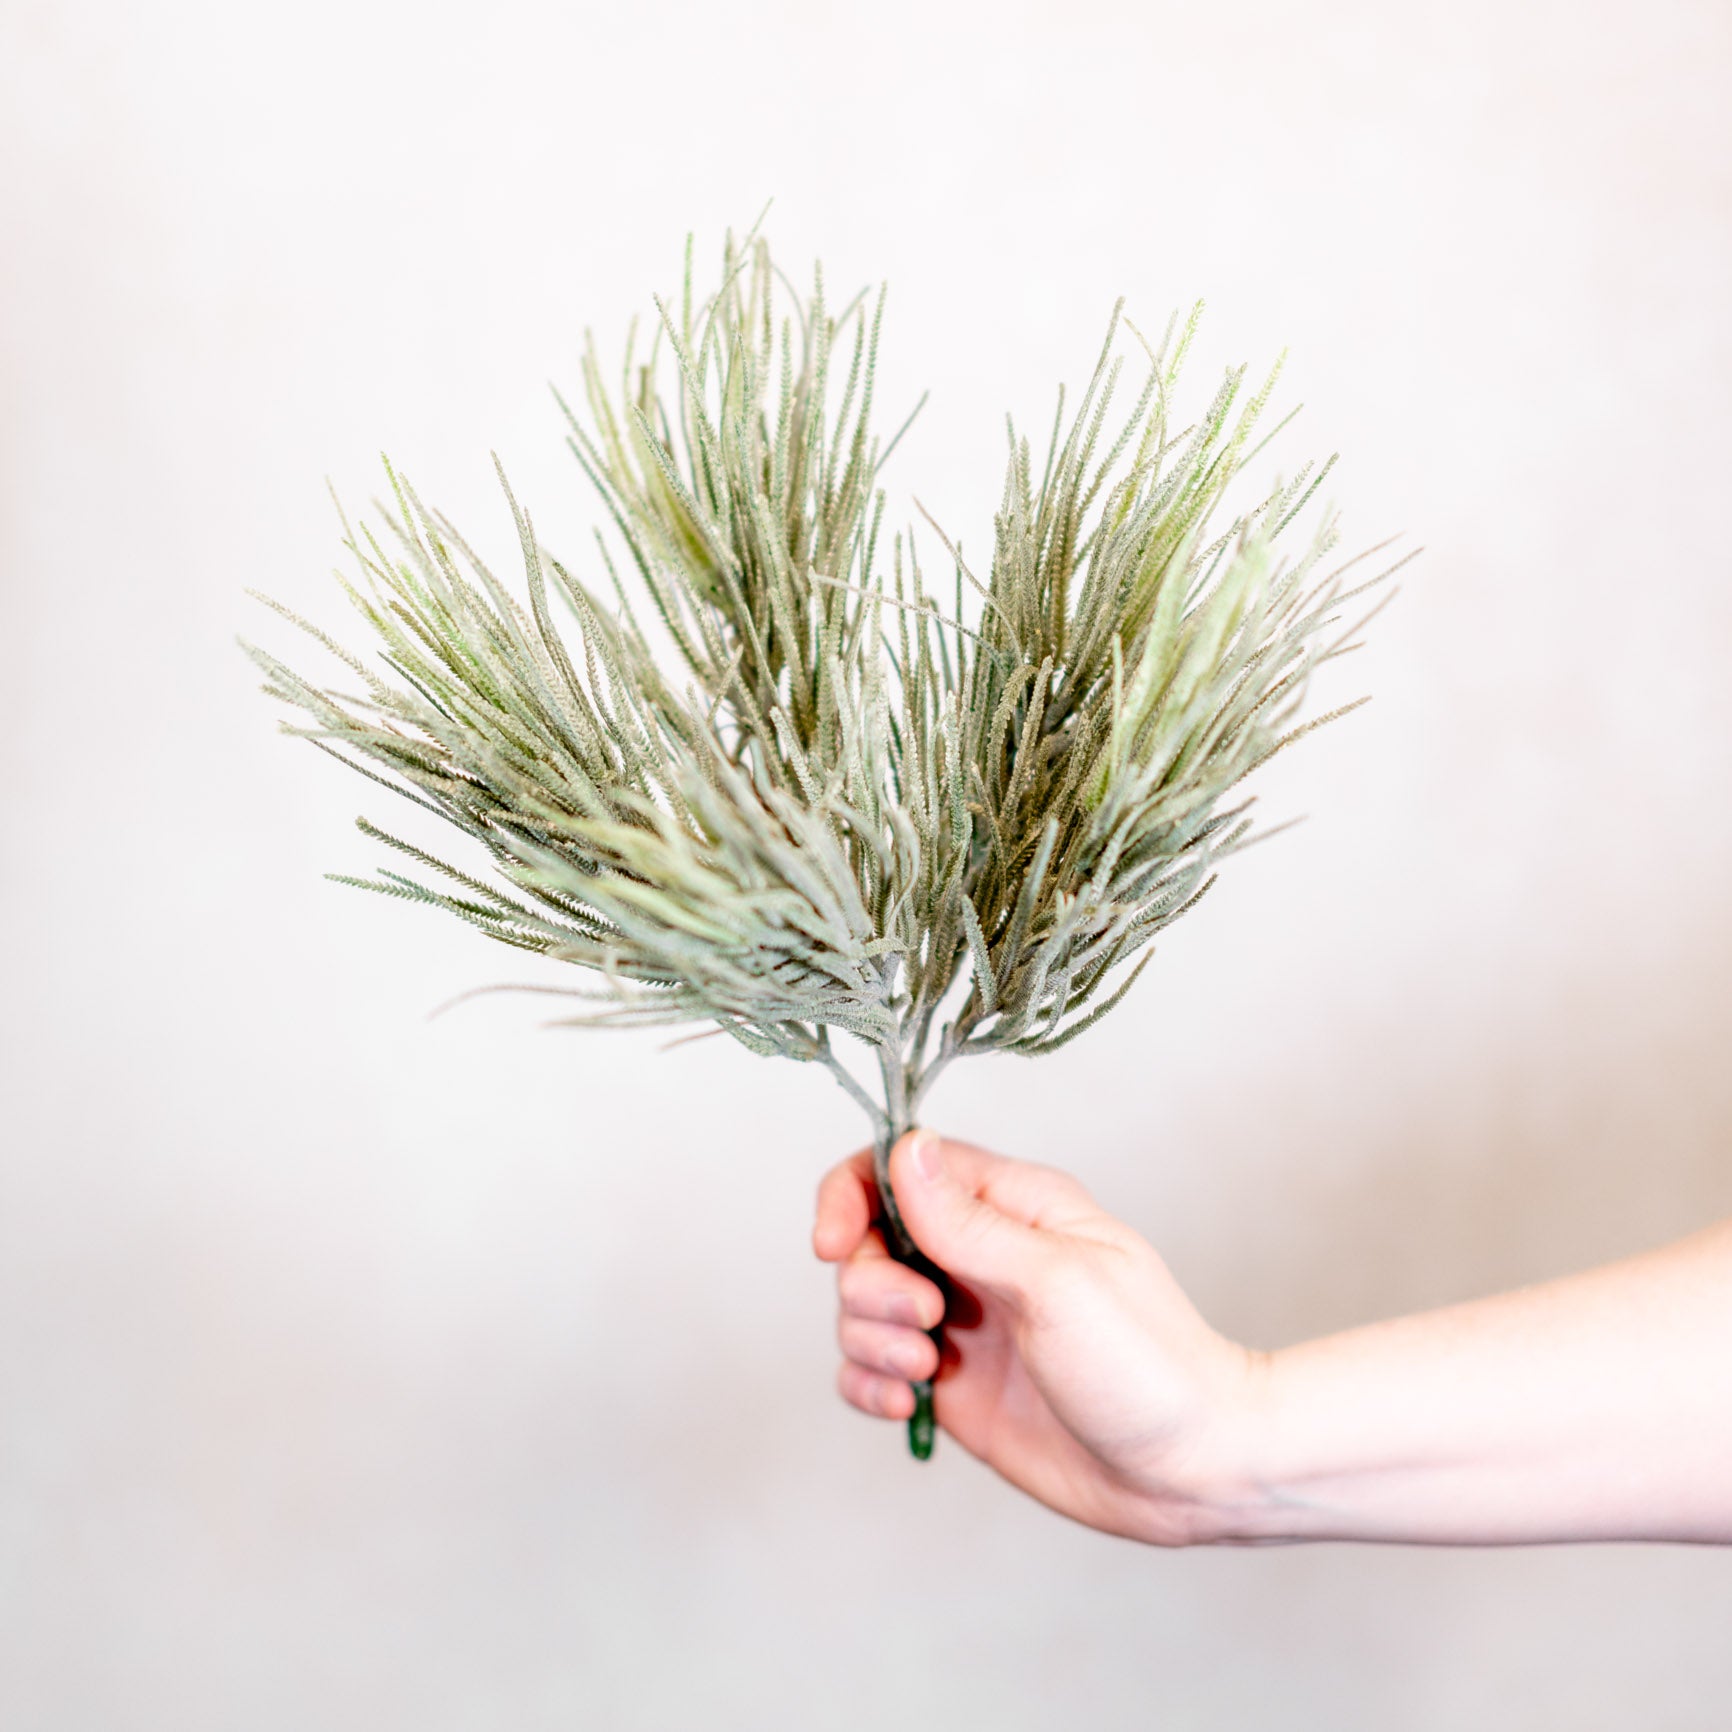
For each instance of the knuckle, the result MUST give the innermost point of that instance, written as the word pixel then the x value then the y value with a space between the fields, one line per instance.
pixel 857 1342
pixel 887 1350
pixel 866 1288
pixel 863 1389
pixel 1064 1185
pixel 854 1285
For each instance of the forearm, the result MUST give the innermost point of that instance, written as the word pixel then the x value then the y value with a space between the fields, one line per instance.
pixel 1593 1408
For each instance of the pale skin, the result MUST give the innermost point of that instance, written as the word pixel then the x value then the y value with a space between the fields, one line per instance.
pixel 1598 1407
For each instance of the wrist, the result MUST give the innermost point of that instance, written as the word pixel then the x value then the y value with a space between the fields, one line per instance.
pixel 1216 1487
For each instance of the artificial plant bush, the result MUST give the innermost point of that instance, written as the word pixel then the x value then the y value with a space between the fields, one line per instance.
pixel 829 804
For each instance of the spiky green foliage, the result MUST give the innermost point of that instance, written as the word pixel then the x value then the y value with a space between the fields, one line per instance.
pixel 841 799
pixel 833 805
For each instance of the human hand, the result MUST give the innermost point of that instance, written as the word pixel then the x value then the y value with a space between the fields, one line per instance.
pixel 1074 1365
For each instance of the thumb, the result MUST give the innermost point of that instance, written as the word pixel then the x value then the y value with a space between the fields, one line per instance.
pixel 948 1218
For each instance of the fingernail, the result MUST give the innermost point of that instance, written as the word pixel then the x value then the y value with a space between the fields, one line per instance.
pixel 923 1152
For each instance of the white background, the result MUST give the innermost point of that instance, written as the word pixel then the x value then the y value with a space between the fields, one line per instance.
pixel 361 1372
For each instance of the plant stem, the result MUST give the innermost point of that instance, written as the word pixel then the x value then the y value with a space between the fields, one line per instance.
pixel 899 1121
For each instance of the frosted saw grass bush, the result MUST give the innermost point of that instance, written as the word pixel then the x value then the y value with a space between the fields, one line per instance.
pixel 835 804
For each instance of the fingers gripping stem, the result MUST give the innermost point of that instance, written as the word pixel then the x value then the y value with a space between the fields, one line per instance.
pixel 900 1243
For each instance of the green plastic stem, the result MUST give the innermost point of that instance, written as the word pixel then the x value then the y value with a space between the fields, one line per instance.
pixel 922 1428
